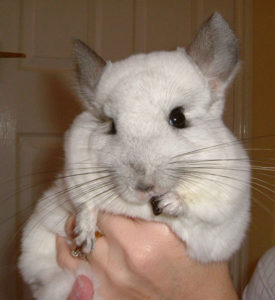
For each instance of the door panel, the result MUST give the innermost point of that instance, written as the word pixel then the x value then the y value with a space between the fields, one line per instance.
pixel 47 30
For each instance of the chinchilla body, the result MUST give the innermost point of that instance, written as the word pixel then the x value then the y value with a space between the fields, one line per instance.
pixel 150 144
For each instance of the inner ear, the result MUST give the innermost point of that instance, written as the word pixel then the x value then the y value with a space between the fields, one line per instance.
pixel 215 50
pixel 89 67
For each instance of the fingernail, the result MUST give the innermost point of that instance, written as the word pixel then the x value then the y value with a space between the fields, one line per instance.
pixel 82 289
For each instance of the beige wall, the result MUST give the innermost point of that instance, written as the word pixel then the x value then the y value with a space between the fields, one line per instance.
pixel 262 232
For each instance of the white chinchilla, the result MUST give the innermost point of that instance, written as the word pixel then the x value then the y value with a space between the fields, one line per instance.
pixel 150 144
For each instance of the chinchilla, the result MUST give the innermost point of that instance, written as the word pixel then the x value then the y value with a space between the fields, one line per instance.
pixel 150 144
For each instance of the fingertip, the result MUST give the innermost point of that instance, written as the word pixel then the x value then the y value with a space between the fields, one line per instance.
pixel 82 289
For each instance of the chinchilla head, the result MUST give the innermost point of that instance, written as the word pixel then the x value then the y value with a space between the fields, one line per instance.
pixel 152 114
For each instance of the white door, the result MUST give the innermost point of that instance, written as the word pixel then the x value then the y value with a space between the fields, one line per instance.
pixel 37 101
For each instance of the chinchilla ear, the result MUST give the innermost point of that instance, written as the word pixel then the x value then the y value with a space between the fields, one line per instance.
pixel 89 67
pixel 215 50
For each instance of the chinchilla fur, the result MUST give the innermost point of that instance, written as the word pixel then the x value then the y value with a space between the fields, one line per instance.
pixel 151 131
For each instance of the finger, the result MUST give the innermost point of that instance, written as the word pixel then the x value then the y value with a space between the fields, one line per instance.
pixel 115 226
pixel 121 229
pixel 63 255
pixel 82 289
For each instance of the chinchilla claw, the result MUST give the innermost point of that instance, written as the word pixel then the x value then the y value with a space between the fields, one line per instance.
pixel 156 209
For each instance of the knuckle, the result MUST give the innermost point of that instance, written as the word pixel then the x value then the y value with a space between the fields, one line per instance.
pixel 140 258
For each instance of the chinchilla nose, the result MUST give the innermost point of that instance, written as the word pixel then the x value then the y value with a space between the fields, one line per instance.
pixel 143 186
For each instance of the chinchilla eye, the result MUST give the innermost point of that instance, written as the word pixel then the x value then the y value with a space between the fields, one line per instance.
pixel 177 118
pixel 112 128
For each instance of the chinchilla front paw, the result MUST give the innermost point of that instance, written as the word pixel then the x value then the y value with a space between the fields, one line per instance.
pixel 85 230
pixel 168 204
pixel 85 238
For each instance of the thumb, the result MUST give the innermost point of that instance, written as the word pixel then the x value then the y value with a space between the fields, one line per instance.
pixel 82 289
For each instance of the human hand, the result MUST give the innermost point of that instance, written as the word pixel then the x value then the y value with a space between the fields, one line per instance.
pixel 138 260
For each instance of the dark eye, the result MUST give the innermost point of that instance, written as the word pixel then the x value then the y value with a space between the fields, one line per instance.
pixel 112 128
pixel 177 118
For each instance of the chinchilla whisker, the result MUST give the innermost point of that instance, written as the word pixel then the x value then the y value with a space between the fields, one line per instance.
pixel 261 172
pixel 216 168
pixel 97 182
pixel 60 177
pixel 260 185
pixel 259 149
pixel 214 147
pixel 187 175
pixel 85 173
pixel 62 202
pixel 108 196
pixel 105 193
pixel 263 181
pixel 204 149
pixel 192 172
pixel 90 164
pixel 255 165
pixel 260 204
pixel 199 175
pixel 86 185
pixel 109 201
pixel 31 186
pixel 60 193
pixel 12 179
pixel 45 172
pixel 21 190
pixel 237 180
pixel 114 193
pixel 178 171
pixel 44 216
pixel 244 170
pixel 222 183
pixel 258 190
pixel 246 159
pixel 219 167
pixel 193 179
pixel 99 188
pixel 211 164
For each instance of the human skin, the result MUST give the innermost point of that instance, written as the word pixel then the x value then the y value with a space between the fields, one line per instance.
pixel 137 260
